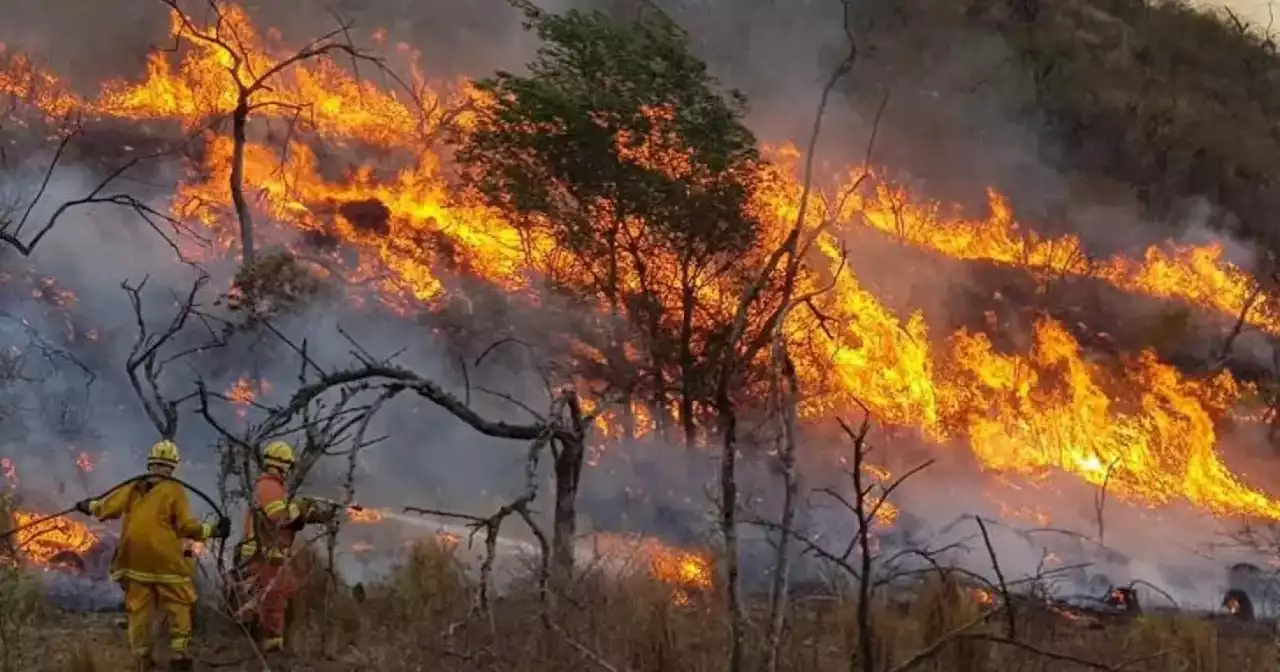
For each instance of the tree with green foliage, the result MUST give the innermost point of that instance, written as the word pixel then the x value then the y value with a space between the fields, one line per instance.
pixel 617 150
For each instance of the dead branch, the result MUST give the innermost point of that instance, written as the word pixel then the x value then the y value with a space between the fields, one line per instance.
pixel 728 367
pixel 1241 320
pixel 866 635
pixel 249 84
pixel 587 654
pixel 492 525
pixel 1100 500
pixel 1061 657
pixel 96 196
pixel 144 365
pixel 1004 586
pixel 924 655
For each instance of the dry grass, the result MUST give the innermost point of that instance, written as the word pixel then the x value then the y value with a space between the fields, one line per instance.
pixel 422 618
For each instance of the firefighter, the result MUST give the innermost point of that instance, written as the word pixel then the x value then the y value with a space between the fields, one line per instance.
pixel 149 563
pixel 269 529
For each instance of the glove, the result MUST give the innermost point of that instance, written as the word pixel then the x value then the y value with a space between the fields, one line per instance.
pixel 85 506
pixel 324 514
pixel 315 511
pixel 222 529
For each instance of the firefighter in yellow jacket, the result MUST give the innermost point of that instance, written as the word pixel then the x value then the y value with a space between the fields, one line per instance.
pixel 149 562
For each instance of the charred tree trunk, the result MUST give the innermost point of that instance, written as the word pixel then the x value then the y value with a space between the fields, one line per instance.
pixel 787 398
pixel 568 474
pixel 729 517
pixel 568 468
pixel 239 122
pixel 686 362
pixel 658 403
pixel 628 416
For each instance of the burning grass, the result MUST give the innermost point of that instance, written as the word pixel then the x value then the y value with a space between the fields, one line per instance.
pixel 42 541
pixel 424 611
pixel 1142 426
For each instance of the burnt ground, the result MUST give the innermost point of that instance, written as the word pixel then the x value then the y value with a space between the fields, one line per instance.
pixel 95 642
pixel 423 618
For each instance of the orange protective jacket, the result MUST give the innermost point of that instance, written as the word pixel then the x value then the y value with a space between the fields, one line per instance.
pixel 275 522
pixel 156 517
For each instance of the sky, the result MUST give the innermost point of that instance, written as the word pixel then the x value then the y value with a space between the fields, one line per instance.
pixel 1256 11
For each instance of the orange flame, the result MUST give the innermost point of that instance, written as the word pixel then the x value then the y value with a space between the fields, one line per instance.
pixel 686 571
pixel 84 462
pixel 241 392
pixel 1142 426
pixel 362 515
pixel 1199 276
pixel 43 541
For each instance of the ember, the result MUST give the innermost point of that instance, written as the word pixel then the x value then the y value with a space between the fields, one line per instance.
pixel 1124 599
pixel 241 392
pixel 1238 604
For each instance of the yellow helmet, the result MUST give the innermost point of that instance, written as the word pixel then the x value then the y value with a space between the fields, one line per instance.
pixel 164 452
pixel 278 454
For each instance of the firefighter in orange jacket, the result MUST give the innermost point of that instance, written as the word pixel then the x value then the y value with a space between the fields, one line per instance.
pixel 270 527
pixel 149 562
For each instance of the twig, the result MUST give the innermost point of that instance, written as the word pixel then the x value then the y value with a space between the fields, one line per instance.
pixel 925 654
pixel 1004 587
pixel 1100 500
pixel 1063 657
pixel 588 654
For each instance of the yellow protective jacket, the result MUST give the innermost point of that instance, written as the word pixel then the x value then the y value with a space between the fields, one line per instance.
pixel 156 517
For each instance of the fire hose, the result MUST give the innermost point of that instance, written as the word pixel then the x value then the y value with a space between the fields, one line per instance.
pixel 121 484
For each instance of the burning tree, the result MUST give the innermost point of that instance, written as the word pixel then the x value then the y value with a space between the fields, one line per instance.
pixel 629 177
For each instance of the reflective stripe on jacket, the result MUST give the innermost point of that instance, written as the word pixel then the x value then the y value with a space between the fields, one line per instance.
pixel 275 516
pixel 155 517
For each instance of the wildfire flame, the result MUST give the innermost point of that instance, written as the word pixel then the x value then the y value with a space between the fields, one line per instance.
pixel 688 572
pixel 1142 427
pixel 241 392
pixel 42 542
pixel 363 515
pixel 1198 275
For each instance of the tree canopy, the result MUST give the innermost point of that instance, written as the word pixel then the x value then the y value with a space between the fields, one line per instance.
pixel 631 175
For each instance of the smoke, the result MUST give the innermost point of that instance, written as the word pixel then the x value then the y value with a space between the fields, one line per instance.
pixel 954 122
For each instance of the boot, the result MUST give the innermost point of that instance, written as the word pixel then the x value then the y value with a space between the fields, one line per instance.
pixel 274 654
pixel 182 664
pixel 143 664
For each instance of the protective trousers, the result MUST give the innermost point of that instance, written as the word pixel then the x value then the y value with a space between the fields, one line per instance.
pixel 271 587
pixel 174 599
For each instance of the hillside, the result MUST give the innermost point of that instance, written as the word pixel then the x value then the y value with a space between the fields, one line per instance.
pixel 600 300
pixel 1156 105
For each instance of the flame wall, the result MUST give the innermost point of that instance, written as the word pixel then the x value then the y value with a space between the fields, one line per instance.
pixel 909 371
